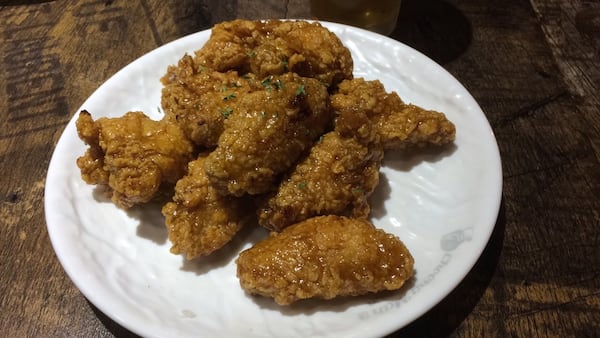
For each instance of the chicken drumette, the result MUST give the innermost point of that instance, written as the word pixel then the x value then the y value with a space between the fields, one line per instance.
pixel 274 47
pixel 270 130
pixel 336 178
pixel 133 155
pixel 399 125
pixel 200 220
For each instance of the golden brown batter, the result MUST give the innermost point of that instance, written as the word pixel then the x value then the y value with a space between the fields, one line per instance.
pixel 324 257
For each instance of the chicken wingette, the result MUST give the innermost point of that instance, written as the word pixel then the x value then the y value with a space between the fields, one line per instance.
pixel 324 257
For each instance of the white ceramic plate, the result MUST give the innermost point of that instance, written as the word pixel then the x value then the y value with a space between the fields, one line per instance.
pixel 442 204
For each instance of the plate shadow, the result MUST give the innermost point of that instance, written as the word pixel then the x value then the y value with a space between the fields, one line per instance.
pixel 435 28
pixel 406 160
pixel 248 235
pixel 443 319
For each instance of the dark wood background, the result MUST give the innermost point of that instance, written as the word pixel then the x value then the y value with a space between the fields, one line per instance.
pixel 534 67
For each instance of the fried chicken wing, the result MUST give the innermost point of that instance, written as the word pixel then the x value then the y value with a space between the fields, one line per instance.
pixel 336 178
pixel 324 257
pixel 315 52
pixel 415 127
pixel 199 220
pixel 400 125
pixel 273 47
pixel 132 154
pixel 91 164
pixel 200 101
pixel 268 133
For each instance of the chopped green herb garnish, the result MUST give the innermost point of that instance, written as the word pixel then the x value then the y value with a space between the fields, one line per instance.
pixel 358 190
pixel 226 111
pixel 229 97
pixel 301 90
pixel 251 54
pixel 302 185
pixel 266 83
pixel 279 84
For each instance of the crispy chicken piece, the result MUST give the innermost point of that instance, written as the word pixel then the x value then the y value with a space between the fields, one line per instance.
pixel 273 47
pixel 400 125
pixel 324 257
pixel 200 101
pixel 268 133
pixel 132 154
pixel 199 219
pixel 336 178
pixel 91 164
pixel 316 52
pixel 415 127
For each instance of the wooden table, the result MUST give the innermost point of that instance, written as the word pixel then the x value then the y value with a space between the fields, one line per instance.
pixel 534 67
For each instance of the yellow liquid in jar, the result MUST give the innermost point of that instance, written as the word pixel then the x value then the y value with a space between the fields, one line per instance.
pixel 376 15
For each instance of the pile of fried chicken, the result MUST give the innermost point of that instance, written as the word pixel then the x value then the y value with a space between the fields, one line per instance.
pixel 267 123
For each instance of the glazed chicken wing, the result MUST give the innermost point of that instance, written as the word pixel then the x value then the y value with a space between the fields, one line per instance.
pixel 273 47
pixel 199 219
pixel 132 154
pixel 336 178
pixel 200 101
pixel 414 127
pixel 268 133
pixel 400 125
pixel 324 257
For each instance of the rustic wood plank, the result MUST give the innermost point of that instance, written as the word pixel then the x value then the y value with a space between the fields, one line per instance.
pixel 47 51
pixel 172 22
pixel 545 116
pixel 572 29
pixel 34 105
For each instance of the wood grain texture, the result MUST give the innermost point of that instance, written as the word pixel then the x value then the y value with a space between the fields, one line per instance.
pixel 534 67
